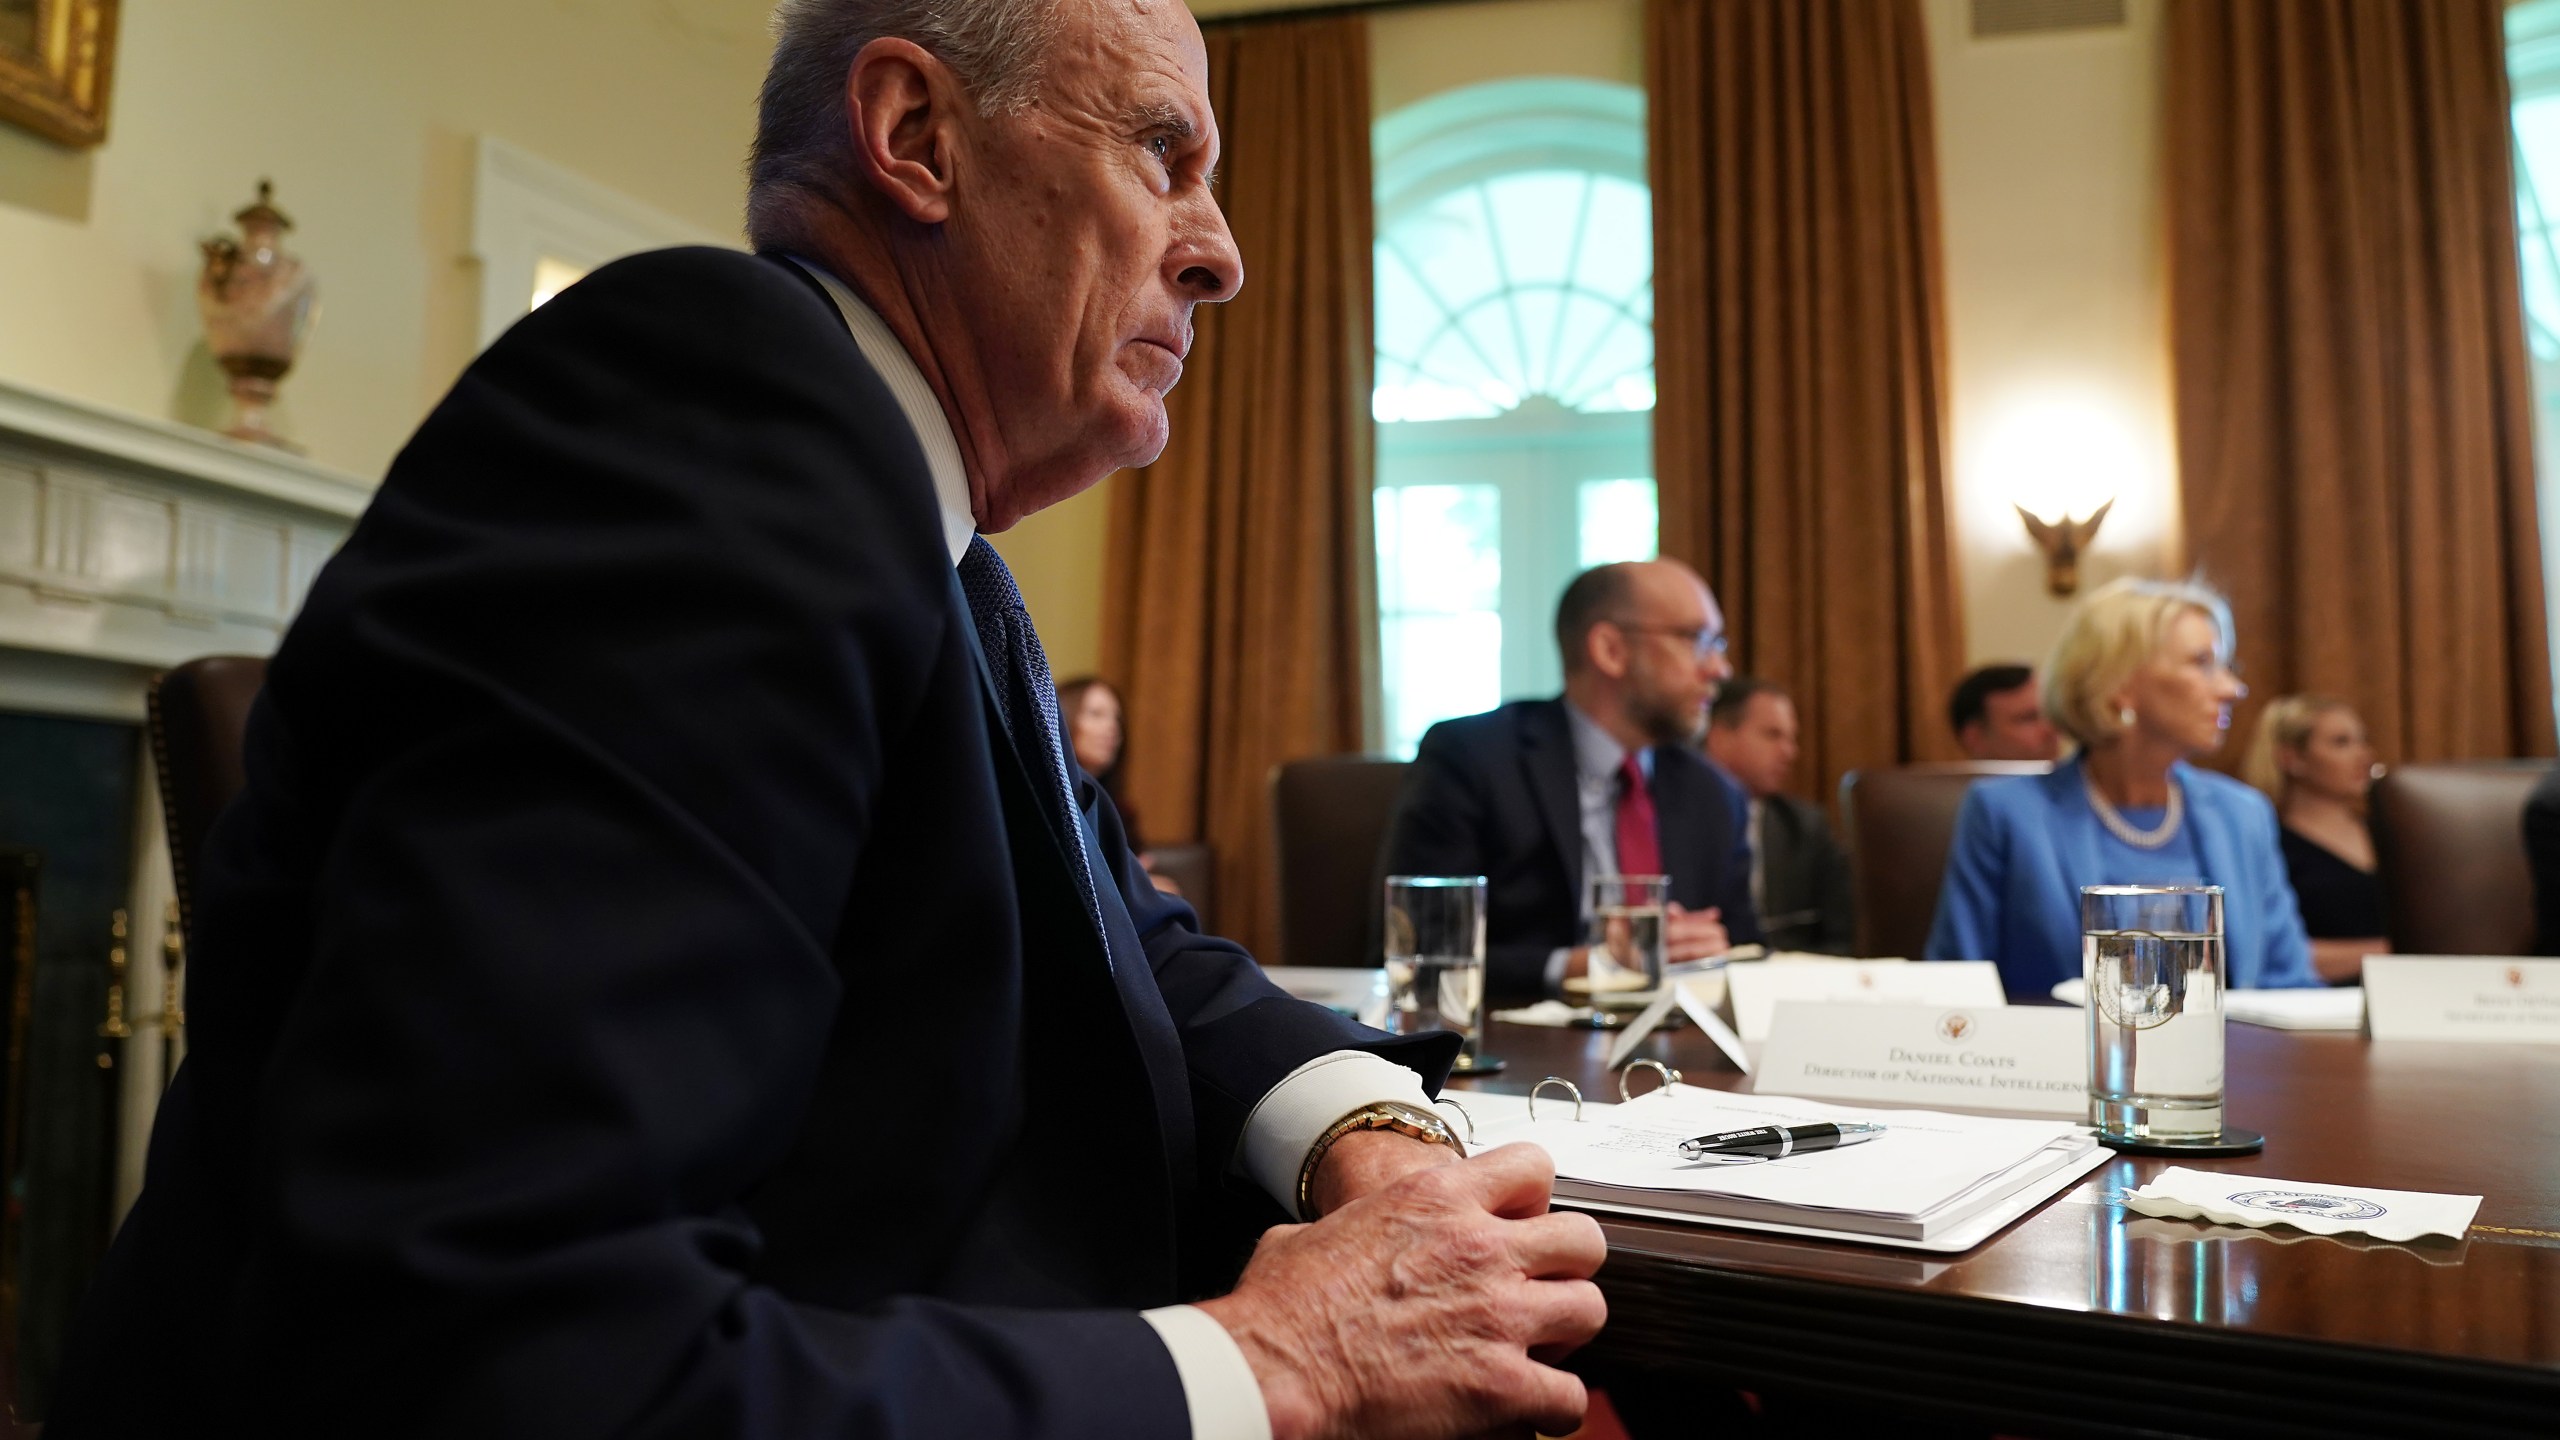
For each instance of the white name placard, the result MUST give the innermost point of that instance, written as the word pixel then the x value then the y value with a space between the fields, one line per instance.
pixel 2033 1058
pixel 2462 997
pixel 1755 989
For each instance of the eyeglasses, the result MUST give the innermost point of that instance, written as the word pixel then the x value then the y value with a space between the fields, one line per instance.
pixel 1703 640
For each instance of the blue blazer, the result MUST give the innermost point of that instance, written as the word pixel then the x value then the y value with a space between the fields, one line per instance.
pixel 2025 846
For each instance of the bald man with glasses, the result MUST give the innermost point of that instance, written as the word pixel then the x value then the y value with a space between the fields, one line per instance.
pixel 1540 796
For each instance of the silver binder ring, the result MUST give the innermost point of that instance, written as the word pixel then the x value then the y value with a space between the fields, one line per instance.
pixel 1569 1088
pixel 1670 1077
pixel 1462 1114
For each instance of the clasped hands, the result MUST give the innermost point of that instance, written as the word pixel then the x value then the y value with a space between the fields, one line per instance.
pixel 1425 1302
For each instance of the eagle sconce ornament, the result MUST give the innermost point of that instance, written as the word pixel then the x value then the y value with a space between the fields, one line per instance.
pixel 2062 542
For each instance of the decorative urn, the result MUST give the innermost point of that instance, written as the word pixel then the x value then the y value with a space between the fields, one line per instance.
pixel 258 303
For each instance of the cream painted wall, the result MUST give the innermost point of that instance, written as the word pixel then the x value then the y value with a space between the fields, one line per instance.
pixel 2048 181
pixel 365 116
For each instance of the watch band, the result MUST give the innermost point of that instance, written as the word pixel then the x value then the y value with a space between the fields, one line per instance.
pixel 1382 1115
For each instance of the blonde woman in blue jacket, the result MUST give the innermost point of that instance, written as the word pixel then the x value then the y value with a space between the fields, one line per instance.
pixel 2142 680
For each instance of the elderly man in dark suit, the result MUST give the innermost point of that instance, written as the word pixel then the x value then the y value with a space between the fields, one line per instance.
pixel 1799 874
pixel 664 977
pixel 1541 796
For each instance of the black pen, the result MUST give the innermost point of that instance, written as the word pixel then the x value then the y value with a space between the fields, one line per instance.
pixel 1777 1142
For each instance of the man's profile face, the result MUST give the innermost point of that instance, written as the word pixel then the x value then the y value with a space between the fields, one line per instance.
pixel 1082 240
pixel 2013 727
pixel 1675 639
pixel 1759 748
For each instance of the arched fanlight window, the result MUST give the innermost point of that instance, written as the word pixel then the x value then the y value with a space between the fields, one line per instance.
pixel 1514 388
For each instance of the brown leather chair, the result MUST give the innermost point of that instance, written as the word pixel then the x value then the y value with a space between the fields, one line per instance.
pixel 1329 820
pixel 1194 868
pixel 198 715
pixel 1901 823
pixel 2450 839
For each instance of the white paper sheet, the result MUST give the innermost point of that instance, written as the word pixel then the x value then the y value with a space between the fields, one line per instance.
pixel 1926 1161
pixel 2321 1209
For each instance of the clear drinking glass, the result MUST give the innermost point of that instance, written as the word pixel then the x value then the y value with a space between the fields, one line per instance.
pixel 1625 939
pixel 1435 959
pixel 2153 958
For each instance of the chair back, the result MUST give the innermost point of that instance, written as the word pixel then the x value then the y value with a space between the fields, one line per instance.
pixel 1329 821
pixel 1901 823
pixel 2450 839
pixel 1193 870
pixel 199 714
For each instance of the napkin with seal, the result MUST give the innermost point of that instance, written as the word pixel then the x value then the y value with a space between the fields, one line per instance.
pixel 2321 1209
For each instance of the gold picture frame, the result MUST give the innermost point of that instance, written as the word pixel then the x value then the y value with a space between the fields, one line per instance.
pixel 56 58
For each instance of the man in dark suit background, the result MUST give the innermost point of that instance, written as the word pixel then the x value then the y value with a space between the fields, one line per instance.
pixel 1799 874
pixel 1540 796
pixel 663 976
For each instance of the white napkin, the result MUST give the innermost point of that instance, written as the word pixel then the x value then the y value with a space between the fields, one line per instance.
pixel 1545 1012
pixel 2321 1209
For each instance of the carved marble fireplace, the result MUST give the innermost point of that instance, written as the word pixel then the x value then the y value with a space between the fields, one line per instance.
pixel 128 545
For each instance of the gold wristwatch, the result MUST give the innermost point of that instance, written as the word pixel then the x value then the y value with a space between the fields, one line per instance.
pixel 1393 1115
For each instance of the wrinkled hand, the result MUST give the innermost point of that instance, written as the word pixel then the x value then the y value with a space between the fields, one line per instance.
pixel 1424 1309
pixel 1367 1161
pixel 1693 934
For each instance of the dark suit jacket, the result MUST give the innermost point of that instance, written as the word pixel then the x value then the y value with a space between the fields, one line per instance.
pixel 2542 853
pixel 1495 795
pixel 1806 902
pixel 638 993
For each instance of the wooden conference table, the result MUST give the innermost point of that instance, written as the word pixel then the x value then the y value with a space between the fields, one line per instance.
pixel 2085 1318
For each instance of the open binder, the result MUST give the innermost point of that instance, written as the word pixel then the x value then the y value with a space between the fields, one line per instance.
pixel 1934 1181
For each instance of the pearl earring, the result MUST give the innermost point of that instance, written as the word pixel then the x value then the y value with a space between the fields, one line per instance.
pixel 2125 717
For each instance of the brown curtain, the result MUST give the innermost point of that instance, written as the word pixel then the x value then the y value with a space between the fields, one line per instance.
pixel 2354 428
pixel 1238 610
pixel 1800 345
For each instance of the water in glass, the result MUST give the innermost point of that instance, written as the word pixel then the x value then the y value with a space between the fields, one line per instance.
pixel 2153 959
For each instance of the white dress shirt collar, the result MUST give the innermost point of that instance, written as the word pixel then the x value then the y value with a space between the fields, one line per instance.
pixel 916 401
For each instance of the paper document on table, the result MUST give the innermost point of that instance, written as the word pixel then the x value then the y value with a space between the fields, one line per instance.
pixel 2321 1209
pixel 1926 1174
pixel 2321 1009
pixel 2325 1008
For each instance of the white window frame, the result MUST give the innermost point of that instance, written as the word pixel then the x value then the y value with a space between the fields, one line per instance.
pixel 525 209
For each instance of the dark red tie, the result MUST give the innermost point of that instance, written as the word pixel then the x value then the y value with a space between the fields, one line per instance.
pixel 1639 844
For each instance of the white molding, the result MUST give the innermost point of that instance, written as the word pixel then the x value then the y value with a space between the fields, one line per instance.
pixel 165 448
pixel 129 544
pixel 525 208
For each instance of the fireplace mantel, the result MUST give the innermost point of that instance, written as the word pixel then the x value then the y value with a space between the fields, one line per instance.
pixel 129 544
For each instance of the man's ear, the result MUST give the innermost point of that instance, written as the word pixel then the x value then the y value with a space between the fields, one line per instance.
pixel 1606 647
pixel 901 105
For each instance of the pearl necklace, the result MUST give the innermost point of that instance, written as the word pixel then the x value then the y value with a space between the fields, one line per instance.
pixel 2123 829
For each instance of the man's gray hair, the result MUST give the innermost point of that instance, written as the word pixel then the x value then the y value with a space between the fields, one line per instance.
pixel 803 148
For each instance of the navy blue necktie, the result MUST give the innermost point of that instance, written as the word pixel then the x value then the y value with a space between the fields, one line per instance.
pixel 1029 698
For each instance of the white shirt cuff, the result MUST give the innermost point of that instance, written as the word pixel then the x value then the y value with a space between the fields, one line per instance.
pixel 1295 1114
pixel 1218 1387
pixel 1557 960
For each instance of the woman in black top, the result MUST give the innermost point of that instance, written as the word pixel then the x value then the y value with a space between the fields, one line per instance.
pixel 1090 710
pixel 2313 759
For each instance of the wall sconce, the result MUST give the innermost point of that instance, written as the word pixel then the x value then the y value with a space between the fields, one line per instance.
pixel 2062 541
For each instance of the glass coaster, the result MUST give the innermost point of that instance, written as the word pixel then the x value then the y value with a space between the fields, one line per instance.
pixel 2231 1141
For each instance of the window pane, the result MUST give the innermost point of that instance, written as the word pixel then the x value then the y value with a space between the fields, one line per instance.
pixel 1435 667
pixel 1618 521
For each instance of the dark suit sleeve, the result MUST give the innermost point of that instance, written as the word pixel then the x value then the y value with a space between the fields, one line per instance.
pixel 1733 891
pixel 1438 828
pixel 1833 890
pixel 1241 1034
pixel 637 625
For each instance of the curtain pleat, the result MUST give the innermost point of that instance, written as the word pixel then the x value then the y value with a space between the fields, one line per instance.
pixel 2354 417
pixel 1800 353
pixel 1239 613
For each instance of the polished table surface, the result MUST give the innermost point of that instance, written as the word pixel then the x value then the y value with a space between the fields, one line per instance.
pixel 2086 1318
